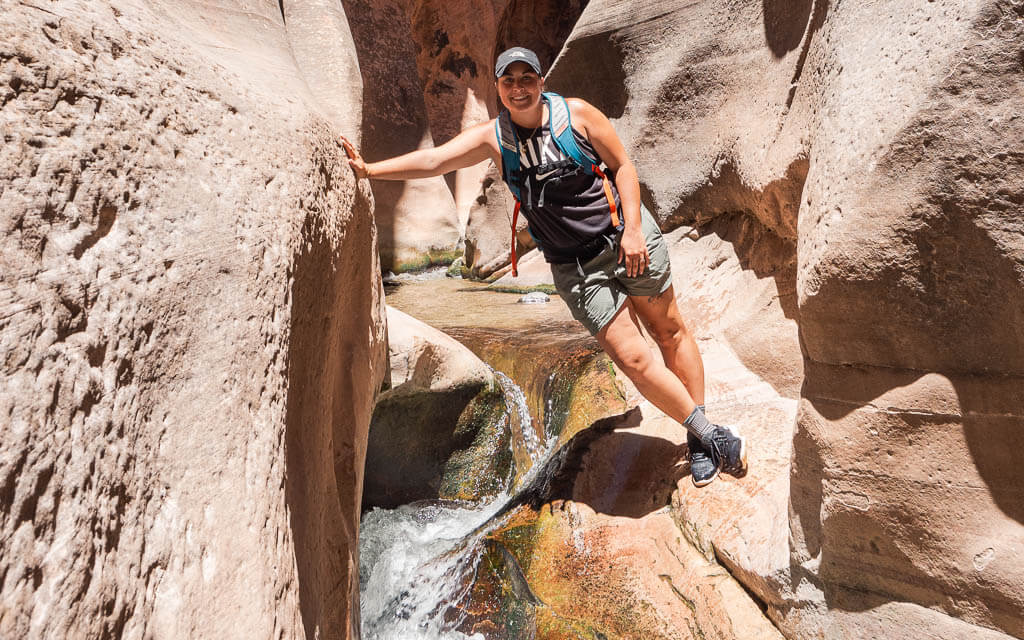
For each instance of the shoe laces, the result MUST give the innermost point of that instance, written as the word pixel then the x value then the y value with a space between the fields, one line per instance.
pixel 720 440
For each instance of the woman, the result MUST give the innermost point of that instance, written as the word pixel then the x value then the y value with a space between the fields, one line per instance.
pixel 613 273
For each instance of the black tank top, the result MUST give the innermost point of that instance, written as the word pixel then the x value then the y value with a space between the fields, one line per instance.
pixel 567 209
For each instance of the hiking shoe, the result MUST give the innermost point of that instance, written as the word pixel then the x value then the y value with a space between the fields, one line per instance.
pixel 702 468
pixel 728 450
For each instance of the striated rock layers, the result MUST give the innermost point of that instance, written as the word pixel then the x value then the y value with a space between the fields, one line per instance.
pixel 191 320
pixel 867 158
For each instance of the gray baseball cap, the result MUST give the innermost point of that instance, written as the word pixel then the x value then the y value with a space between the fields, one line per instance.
pixel 516 54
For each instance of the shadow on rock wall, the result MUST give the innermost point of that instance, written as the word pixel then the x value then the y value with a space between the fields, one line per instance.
pixel 787 24
pixel 604 83
pixel 613 472
pixel 332 307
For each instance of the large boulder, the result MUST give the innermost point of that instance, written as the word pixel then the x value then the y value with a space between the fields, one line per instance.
pixel 868 168
pixel 441 430
pixel 489 234
pixel 191 324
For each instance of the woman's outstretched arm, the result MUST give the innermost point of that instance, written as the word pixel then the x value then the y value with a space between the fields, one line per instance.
pixel 475 144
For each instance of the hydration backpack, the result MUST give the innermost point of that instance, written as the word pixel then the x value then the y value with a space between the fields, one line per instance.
pixel 561 130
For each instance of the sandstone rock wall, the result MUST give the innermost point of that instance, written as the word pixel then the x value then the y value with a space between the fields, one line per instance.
pixel 876 148
pixel 416 219
pixel 190 320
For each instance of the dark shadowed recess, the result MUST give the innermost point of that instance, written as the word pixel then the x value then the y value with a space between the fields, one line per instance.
pixel 327 365
pixel 394 111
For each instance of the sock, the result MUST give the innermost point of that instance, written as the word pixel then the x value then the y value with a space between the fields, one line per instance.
pixel 693 441
pixel 698 424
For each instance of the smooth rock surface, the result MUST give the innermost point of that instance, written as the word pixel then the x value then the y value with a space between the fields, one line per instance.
pixel 534 273
pixel 191 324
pixel 427 427
pixel 878 158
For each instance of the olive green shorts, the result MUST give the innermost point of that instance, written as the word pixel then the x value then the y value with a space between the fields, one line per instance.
pixel 603 288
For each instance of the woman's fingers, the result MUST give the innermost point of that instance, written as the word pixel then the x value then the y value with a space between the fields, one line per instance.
pixel 636 264
pixel 354 159
pixel 350 150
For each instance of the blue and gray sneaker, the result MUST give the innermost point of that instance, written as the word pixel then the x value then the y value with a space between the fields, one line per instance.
pixel 728 450
pixel 702 468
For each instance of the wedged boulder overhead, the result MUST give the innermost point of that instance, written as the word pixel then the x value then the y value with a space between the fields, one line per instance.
pixel 880 143
pixel 190 324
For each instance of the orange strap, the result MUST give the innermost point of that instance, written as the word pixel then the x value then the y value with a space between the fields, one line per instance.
pixel 515 219
pixel 608 194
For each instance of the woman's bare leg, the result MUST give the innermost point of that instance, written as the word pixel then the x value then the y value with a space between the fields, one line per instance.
pixel 623 341
pixel 660 315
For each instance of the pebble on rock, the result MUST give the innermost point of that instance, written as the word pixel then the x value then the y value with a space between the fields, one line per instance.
pixel 535 297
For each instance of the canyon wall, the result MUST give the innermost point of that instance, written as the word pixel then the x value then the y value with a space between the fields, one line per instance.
pixel 871 153
pixel 191 320
pixel 427 69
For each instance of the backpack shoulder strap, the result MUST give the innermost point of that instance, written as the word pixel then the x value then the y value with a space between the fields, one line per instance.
pixel 561 130
pixel 508 143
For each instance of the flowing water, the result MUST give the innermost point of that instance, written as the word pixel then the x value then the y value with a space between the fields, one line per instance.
pixel 417 562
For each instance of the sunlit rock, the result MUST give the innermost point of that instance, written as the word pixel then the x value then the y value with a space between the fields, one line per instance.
pixel 191 321
pixel 863 170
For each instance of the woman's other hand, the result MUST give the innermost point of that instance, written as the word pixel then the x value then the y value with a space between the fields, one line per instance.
pixel 354 159
pixel 633 251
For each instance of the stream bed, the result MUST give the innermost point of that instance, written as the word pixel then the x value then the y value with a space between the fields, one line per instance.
pixel 428 570
pixel 418 561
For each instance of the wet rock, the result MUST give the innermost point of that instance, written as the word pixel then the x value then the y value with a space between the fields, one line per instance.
pixel 438 431
pixel 598 555
pixel 535 297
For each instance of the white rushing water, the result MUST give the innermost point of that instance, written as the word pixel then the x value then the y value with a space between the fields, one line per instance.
pixel 417 561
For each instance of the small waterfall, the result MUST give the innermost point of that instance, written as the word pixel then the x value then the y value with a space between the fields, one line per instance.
pixel 417 562
pixel 519 414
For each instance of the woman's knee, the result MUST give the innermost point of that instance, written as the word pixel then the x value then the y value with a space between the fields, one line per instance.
pixel 670 334
pixel 634 361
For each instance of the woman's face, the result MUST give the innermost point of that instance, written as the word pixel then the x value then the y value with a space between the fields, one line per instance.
pixel 520 87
